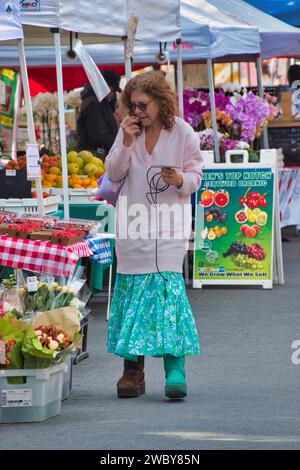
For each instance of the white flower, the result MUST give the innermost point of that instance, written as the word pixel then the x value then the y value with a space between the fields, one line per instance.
pixel 7 307
pixel 53 345
pixel 73 99
pixel 77 303
pixel 44 102
pixel 242 145
pixel 208 133
pixel 234 88
pixel 60 338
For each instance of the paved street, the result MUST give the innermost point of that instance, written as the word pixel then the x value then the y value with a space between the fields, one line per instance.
pixel 243 390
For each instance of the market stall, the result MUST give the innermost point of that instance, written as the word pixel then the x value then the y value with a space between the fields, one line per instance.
pixel 114 26
pixel 11 30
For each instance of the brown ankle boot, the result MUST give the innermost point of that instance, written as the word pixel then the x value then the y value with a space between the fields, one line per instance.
pixel 132 383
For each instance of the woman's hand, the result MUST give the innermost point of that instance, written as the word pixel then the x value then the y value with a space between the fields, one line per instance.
pixel 171 177
pixel 130 129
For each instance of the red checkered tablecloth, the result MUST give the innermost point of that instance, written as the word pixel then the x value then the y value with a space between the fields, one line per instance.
pixel 41 256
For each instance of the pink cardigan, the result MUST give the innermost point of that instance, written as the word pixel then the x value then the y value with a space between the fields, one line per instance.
pixel 137 226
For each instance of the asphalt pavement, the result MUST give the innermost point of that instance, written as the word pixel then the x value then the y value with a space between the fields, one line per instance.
pixel 243 390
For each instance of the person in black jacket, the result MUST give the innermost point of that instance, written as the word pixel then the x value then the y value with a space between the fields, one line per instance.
pixel 96 126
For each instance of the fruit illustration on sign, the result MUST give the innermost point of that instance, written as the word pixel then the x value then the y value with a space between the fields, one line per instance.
pixel 262 218
pixel 250 232
pixel 253 199
pixel 215 213
pixel 241 217
pixel 211 235
pixel 222 198
pixel 207 198
pixel 246 256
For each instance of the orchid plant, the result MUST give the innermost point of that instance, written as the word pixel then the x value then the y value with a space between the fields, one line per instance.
pixel 240 114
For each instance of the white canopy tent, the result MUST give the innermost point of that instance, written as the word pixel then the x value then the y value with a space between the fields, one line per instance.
pixel 11 29
pixel 206 32
pixel 157 21
pixel 278 39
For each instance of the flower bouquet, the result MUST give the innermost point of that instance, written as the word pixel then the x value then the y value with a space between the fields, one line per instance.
pixel 52 336
pixel 10 303
pixel 12 333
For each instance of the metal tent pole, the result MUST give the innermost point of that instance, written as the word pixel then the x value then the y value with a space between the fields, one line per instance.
pixel 62 127
pixel 179 77
pixel 261 94
pixel 213 108
pixel 30 121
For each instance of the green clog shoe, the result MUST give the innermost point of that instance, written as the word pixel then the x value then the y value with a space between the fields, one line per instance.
pixel 176 387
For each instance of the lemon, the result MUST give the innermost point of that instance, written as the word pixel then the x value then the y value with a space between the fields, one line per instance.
pixel 252 218
pixel 262 218
pixel 256 211
pixel 248 212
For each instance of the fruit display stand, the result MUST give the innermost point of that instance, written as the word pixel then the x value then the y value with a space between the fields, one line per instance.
pixel 236 228
pixel 29 205
pixel 99 211
pixel 77 196
pixel 41 257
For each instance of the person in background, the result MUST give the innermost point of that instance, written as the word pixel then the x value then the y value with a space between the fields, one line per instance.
pixel 96 126
pixel 293 74
pixel 266 74
pixel 150 313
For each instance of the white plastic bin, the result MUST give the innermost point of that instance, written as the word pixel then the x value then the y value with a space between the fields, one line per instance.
pixel 67 382
pixel 77 195
pixel 29 206
pixel 36 400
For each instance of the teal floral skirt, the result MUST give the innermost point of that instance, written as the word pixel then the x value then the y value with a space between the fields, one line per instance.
pixel 151 317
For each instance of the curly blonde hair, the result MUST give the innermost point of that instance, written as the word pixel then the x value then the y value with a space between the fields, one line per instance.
pixel 155 85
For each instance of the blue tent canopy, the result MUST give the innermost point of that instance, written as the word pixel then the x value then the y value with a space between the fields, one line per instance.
pixel 284 10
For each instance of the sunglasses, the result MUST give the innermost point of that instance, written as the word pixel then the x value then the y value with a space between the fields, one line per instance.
pixel 141 106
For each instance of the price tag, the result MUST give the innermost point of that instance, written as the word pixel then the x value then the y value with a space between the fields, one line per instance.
pixel 10 172
pixel 32 154
pixel 33 172
pixel 32 283
pixel 33 158
pixel 14 398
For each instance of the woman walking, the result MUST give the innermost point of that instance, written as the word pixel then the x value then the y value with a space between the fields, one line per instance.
pixel 158 154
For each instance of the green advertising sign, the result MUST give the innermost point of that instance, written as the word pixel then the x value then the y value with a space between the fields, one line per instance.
pixel 9 80
pixel 234 226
